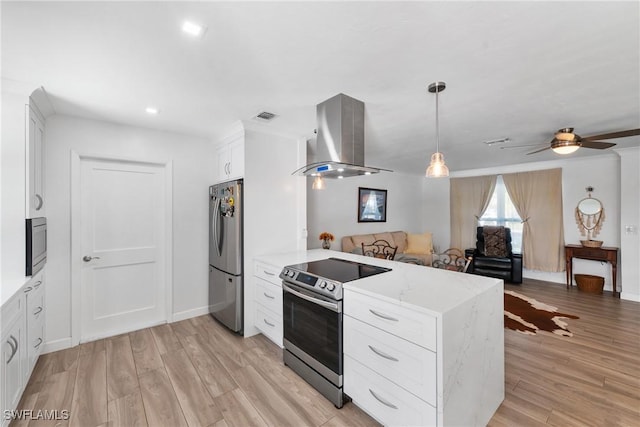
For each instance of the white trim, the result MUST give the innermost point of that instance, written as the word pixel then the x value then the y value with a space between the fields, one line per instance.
pixel 188 314
pixel 60 344
pixel 76 238
pixel 629 297
pixel 527 167
pixel 168 239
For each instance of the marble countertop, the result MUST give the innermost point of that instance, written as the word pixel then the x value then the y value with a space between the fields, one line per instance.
pixel 429 290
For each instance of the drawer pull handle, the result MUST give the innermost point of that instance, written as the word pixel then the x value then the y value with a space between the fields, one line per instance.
pixel 381 400
pixel 13 343
pixel 37 284
pixel 39 342
pixel 383 316
pixel 268 273
pixel 39 201
pixel 268 323
pixel 268 296
pixel 37 311
pixel 28 289
pixel 383 354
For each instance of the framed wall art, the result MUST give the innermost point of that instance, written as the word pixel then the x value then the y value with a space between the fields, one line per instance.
pixel 372 205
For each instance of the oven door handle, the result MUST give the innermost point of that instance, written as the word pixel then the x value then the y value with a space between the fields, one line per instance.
pixel 331 306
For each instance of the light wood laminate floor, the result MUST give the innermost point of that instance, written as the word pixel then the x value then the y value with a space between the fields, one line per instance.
pixel 196 373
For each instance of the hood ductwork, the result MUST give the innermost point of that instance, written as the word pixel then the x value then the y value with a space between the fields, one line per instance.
pixel 340 141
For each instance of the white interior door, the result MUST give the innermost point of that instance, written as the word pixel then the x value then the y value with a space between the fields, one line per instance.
pixel 122 221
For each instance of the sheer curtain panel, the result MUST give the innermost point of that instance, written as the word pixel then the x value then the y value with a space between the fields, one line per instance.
pixel 469 198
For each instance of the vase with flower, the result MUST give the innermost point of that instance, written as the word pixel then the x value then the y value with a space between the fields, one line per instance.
pixel 326 238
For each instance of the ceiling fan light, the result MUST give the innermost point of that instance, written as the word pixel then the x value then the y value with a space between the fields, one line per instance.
pixel 437 168
pixel 565 148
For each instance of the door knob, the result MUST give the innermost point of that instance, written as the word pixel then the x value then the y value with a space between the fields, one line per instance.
pixel 88 258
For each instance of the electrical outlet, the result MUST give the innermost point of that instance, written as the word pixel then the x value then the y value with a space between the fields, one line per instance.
pixel 630 229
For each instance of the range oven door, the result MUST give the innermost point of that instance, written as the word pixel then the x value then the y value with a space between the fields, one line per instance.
pixel 313 330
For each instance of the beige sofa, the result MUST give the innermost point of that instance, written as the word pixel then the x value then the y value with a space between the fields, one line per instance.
pixel 353 244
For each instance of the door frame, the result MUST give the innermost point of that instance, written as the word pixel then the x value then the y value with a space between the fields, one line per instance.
pixel 76 233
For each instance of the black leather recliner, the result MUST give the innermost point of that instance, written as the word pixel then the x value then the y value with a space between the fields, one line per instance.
pixel 508 268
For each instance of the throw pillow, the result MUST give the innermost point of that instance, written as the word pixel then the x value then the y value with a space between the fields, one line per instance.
pixel 419 244
pixel 495 242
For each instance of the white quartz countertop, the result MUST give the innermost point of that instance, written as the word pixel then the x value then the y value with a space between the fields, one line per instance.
pixel 430 290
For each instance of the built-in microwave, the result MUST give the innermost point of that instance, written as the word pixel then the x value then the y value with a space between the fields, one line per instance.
pixel 36 244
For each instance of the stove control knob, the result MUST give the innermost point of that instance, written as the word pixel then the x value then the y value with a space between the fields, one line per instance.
pixel 331 287
pixel 291 273
pixel 285 272
pixel 323 284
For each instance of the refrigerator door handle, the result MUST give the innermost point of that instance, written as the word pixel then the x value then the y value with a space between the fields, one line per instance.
pixel 215 221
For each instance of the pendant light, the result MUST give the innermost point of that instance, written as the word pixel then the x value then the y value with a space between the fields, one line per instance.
pixel 318 183
pixel 437 168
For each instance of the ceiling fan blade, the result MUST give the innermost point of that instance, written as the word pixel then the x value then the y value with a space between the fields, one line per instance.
pixel 548 147
pixel 596 144
pixel 612 135
pixel 519 146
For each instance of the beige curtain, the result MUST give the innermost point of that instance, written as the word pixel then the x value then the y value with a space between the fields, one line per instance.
pixel 537 197
pixel 469 198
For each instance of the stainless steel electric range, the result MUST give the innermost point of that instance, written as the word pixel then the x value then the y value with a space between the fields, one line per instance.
pixel 312 315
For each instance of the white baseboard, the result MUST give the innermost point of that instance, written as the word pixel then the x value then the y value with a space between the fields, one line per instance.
pixel 629 297
pixel 60 344
pixel 188 314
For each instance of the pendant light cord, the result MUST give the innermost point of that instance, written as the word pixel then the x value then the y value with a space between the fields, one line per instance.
pixel 437 123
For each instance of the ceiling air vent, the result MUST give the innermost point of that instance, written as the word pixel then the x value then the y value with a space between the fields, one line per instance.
pixel 265 116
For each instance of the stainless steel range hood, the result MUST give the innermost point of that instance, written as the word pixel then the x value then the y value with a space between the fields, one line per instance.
pixel 340 141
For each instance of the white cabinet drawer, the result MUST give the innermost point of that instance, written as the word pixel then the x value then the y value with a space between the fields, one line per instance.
pixel 383 400
pixel 410 366
pixel 269 324
pixel 269 295
pixel 411 325
pixel 268 272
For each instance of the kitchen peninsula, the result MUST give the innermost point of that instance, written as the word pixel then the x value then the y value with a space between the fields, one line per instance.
pixel 422 346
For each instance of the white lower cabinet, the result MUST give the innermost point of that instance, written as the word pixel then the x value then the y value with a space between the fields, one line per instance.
pixel 390 361
pixel 22 341
pixel 35 324
pixel 268 301
pixel 13 354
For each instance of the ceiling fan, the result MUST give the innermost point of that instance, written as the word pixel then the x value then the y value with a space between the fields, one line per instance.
pixel 565 141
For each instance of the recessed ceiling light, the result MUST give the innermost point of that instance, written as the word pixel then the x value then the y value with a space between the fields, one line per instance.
pixel 152 111
pixel 193 29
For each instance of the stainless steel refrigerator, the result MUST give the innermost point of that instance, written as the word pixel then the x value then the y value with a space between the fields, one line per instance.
pixel 225 254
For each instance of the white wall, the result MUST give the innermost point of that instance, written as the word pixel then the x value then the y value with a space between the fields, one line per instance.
pixel 192 160
pixel 335 208
pixel 436 211
pixel 629 223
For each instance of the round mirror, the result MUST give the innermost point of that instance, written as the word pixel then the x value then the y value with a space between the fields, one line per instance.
pixel 589 206
pixel 589 216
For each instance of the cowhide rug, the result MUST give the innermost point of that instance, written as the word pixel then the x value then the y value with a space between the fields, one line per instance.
pixel 528 316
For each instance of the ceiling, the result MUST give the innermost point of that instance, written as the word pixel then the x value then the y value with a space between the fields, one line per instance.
pixel 520 70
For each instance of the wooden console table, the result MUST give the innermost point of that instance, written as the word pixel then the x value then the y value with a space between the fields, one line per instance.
pixel 603 253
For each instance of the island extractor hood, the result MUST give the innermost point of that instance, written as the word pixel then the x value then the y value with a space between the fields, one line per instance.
pixel 340 141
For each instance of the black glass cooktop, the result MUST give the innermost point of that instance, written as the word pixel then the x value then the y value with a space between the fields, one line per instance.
pixel 339 270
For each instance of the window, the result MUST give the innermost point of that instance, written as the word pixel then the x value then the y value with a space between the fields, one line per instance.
pixel 502 212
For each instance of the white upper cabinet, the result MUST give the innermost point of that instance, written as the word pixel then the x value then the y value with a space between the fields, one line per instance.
pixel 35 145
pixel 230 160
